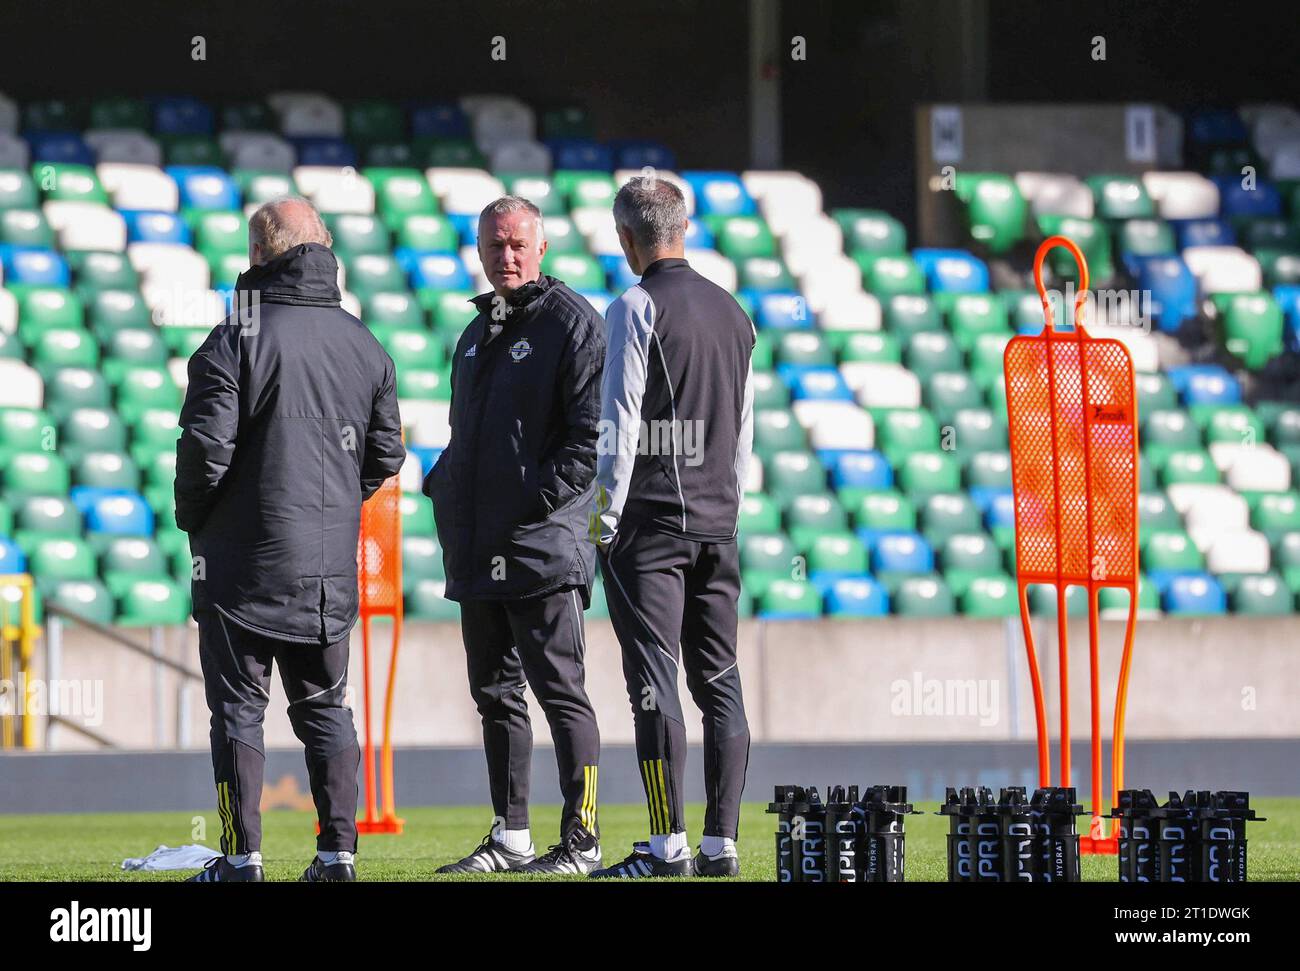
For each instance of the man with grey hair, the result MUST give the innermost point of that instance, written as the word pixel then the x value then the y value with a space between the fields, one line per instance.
pixel 510 496
pixel 289 423
pixel 678 356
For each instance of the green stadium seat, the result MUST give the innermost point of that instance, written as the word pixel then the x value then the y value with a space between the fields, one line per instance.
pixel 1090 235
pixel 929 353
pixel 92 429
pixel 358 234
pixel 86 598
pixel 563 237
pixel 25 227
pixel 17 190
pixel 804 347
pixel 986 355
pixel 991 596
pixel 967 555
pixel 1252 328
pixel 871 231
pixel 1113 602
pixel 392 311
pixel 46 308
pixel 373 120
pixel 217 232
pixel 424 384
pixel 1157 513
pixel 809 515
pixel 764 558
pixel 67 388
pixel 915 313
pixel 740 237
pixel 582 188
pixel 903 430
pixel 1171 429
pixel 35 473
pixel 44 514
pixel 1155 392
pixel 973 314
pixel 923 473
pixel 191 150
pixel 94 271
pixel 865 345
pixel 995 209
pixel 789 474
pixel 400 193
pixel 1147 237
pixel 110 470
pixel 61 558
pixel 1263 595
pixel 411 347
pixel 374 273
pixel 157 428
pixel 1121 197
pixel 776 430
pixel 450 310
pixel 578 270
pixel 1193 465
pixel 133 347
pixel 978 430
pixel 112 310
pixel 790 598
pixel 887 276
pixel 947 514
pixel 60 347
pixel 68 182
pixel 537 189
pixel 764 274
pixel 770 392
pixel 884 510
pixel 1276 514
pixel 424 600
pixel 923 596
pixel 1172 550
pixel 989 470
pixel 150 602
pixel 759 514
pixel 417 516
pixel 258 186
pixel 837 553
pixel 427 231
pixel 948 392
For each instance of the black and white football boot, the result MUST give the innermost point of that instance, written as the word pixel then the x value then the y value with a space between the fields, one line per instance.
pixel 219 870
pixel 490 857
pixel 725 864
pixel 577 852
pixel 642 863
pixel 342 870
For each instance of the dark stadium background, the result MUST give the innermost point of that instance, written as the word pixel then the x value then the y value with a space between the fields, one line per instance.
pixel 676 70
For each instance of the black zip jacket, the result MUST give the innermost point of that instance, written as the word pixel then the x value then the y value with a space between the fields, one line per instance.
pixel 512 490
pixel 290 422
pixel 677 408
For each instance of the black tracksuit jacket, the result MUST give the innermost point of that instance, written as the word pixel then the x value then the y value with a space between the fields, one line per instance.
pixel 512 491
pixel 289 423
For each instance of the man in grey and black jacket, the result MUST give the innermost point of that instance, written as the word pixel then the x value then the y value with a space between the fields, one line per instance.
pixel 290 422
pixel 511 495
pixel 676 431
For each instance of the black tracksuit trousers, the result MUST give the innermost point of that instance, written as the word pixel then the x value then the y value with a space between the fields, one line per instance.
pixel 672 601
pixel 537 643
pixel 236 666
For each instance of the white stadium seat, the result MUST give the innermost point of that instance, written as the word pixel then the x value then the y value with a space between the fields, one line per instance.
pixel 86 225
pixel 623 176
pixel 8 115
pixel 133 186
pixel 498 123
pixel 835 424
pixel 1238 551
pixel 429 421
pixel 850 311
pixel 1224 269
pixel 1182 195
pixel 882 385
pixel 713 266
pixel 259 150
pixel 14 153
pixel 307 113
pixel 521 155
pixel 20 386
pixel 464 189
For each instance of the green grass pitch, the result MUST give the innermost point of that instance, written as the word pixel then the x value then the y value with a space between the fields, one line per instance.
pixel 92 846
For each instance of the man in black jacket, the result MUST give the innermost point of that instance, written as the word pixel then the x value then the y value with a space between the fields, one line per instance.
pixel 511 493
pixel 677 401
pixel 290 422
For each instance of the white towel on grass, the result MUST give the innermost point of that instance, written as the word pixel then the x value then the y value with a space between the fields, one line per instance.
pixel 191 857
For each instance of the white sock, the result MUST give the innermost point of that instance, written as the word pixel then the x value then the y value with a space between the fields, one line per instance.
pixel 330 857
pixel 515 840
pixel 671 847
pixel 716 846
pixel 245 859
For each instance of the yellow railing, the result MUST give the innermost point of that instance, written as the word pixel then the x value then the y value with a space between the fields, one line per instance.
pixel 18 633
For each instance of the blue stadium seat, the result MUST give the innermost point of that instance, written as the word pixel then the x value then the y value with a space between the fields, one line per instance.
pixel 1203 232
pixel 782 311
pixel 698 236
pixel 85 497
pixel 1172 287
pixel 204 187
pixel 1236 200
pixel 1001 508
pixel 143 226
pixel 440 271
pixel 1216 126
pixel 867 469
pixel 60 148
pixel 31 265
pixel 12 559
pixel 618 274
pixel 427 454
pixel 598 299
pixel 124 514
pixel 438 119
pixel 580 154
pixel 324 150
pixel 1205 384
pixel 857 597
pixel 1194 593
pixel 899 552
pixel 182 116
pixel 952 270
pixel 719 194
pixel 815 383
pixel 638 154
pixel 466 226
